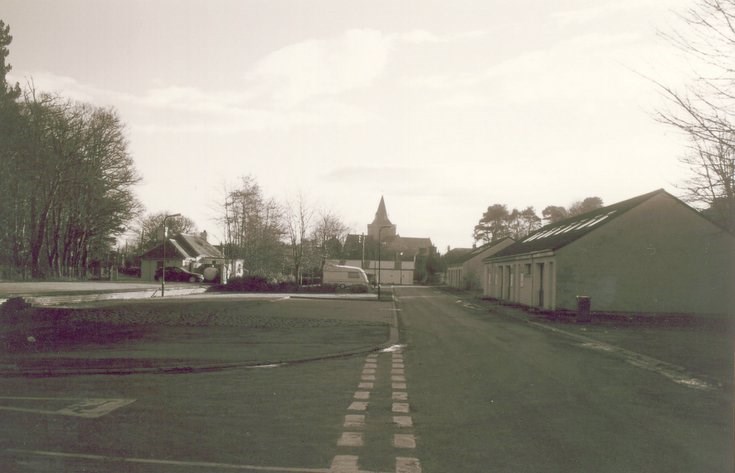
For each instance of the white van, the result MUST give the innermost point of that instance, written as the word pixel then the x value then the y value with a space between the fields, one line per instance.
pixel 344 276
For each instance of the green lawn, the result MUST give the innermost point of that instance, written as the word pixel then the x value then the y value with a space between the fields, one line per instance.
pixel 147 333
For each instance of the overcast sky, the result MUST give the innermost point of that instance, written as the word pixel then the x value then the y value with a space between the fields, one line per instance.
pixel 442 107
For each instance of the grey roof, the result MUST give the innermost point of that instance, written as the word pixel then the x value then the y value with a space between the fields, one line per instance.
pixel 197 246
pixel 473 252
pixel 457 255
pixel 559 234
pixel 185 246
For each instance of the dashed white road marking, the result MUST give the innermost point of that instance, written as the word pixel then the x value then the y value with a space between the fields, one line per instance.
pixel 354 421
pixel 404 441
pixel 350 439
pixel 408 465
pixel 358 406
pixel 402 407
pixel 344 464
pixel 403 421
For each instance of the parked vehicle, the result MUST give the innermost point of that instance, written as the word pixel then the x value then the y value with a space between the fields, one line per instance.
pixel 344 276
pixel 174 273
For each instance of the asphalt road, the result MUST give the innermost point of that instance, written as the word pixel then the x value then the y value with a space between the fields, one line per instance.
pixel 470 392
pixel 496 394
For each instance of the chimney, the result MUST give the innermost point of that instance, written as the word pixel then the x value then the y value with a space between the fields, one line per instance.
pixel 203 235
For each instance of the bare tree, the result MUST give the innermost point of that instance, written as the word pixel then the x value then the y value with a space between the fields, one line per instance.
pixel 253 228
pixel 298 221
pixel 150 227
pixel 704 111
pixel 329 234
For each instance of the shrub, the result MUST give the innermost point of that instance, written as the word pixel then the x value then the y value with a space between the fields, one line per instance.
pixel 11 309
pixel 262 284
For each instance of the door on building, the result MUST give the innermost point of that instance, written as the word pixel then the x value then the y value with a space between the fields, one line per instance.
pixel 540 267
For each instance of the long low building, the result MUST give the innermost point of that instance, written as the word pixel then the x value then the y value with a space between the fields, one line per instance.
pixel 649 254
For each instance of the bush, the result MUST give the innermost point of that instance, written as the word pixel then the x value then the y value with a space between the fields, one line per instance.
pixel 261 284
pixel 247 284
pixel 11 309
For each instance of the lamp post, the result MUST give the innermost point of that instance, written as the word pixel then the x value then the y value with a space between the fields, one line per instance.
pixel 163 267
pixel 379 244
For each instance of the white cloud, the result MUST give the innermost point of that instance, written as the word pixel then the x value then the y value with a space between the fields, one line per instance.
pixel 599 12
pixel 314 68
pixel 593 67
pixel 419 36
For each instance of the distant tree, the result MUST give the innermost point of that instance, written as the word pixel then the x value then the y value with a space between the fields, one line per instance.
pixel 497 223
pixel 493 225
pixel 6 90
pixel 253 228
pixel 11 208
pixel 150 227
pixel 329 234
pixel 66 180
pixel 554 213
pixel 298 225
pixel 74 184
pixel 584 206
pixel 704 110
pixel 521 223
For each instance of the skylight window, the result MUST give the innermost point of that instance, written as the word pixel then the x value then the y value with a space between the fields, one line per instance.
pixel 579 225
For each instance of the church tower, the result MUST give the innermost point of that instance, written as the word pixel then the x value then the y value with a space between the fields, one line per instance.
pixel 381 221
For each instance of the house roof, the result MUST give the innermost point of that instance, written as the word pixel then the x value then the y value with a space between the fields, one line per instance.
pixel 474 252
pixel 185 246
pixel 559 234
pixel 197 246
pixel 484 248
pixel 400 243
pixel 457 255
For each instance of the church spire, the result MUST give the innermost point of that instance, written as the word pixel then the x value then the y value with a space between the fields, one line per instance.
pixel 381 221
pixel 381 216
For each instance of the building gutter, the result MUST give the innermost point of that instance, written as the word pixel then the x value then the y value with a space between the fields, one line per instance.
pixel 520 257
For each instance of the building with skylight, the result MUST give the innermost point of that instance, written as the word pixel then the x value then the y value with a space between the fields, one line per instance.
pixel 649 254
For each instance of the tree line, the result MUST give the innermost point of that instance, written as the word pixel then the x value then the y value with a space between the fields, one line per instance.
pixel 274 238
pixel 66 180
pixel 497 222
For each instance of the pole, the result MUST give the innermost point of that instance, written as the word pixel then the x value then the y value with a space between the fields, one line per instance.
pixel 163 267
pixel 379 263
pixel 379 244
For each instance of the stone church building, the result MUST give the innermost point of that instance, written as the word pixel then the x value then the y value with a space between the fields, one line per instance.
pixel 385 255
